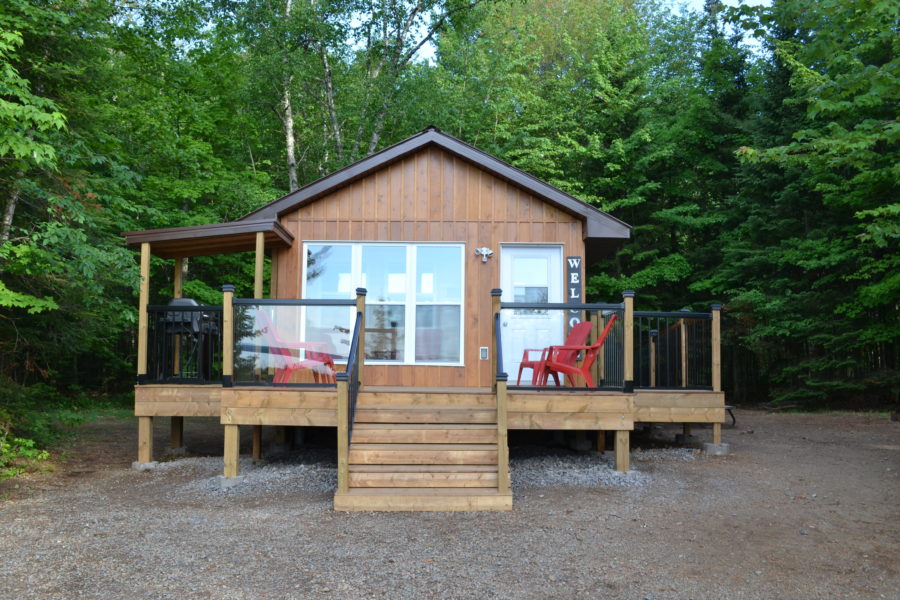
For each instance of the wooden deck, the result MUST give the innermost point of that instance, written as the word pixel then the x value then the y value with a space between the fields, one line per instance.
pixel 428 448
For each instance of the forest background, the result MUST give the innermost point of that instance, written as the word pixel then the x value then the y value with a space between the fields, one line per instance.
pixel 761 175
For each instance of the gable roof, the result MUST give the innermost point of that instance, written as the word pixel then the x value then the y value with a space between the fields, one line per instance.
pixel 599 225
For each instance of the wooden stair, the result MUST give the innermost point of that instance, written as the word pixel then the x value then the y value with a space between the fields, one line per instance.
pixel 423 452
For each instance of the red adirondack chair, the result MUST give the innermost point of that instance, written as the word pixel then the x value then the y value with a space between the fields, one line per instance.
pixel 320 363
pixel 562 359
pixel 577 336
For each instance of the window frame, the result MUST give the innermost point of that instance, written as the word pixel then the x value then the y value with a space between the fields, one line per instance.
pixel 409 303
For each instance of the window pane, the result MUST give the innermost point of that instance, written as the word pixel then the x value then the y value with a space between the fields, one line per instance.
pixel 438 274
pixel 437 334
pixel 385 332
pixel 531 272
pixel 384 273
pixel 328 272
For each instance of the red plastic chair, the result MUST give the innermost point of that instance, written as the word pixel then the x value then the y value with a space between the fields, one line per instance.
pixel 578 335
pixel 562 359
pixel 320 363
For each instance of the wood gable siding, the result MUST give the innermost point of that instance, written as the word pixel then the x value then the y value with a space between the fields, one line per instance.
pixel 431 196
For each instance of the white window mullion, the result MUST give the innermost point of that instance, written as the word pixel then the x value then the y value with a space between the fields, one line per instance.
pixel 409 346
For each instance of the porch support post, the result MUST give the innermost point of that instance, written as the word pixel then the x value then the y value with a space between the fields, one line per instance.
pixel 361 348
pixel 145 440
pixel 653 338
pixel 145 424
pixel 622 451
pixel 343 435
pixel 227 335
pixel 502 442
pixel 682 326
pixel 144 300
pixel 232 450
pixel 717 362
pixel 177 292
pixel 176 433
pixel 495 310
pixel 260 262
pixel 232 432
pixel 258 293
pixel 628 349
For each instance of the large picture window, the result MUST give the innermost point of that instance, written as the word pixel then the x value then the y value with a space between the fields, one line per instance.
pixel 414 310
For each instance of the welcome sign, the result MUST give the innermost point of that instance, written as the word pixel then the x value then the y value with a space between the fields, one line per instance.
pixel 573 285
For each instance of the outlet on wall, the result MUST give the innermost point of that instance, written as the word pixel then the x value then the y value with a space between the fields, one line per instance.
pixel 483 353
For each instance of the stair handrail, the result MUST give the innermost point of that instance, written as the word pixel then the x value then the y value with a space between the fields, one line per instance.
pixel 348 384
pixel 500 379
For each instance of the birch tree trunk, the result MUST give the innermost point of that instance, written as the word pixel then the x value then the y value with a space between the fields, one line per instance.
pixel 287 117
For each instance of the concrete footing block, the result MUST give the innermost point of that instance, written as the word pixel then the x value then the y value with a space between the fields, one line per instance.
pixel 226 483
pixel 144 466
pixel 685 440
pixel 179 451
pixel 717 449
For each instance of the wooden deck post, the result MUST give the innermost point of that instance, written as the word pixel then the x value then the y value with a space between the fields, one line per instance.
pixel 232 432
pixel 145 439
pixel 227 335
pixel 502 442
pixel 145 424
pixel 628 346
pixel 177 292
pixel 717 363
pixel 232 450
pixel 343 435
pixel 654 334
pixel 258 271
pixel 682 327
pixel 144 300
pixel 176 432
pixel 622 451
pixel 601 440
pixel 361 348
pixel 495 309
pixel 260 262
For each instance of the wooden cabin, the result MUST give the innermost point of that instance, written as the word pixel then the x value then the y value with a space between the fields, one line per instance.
pixel 406 289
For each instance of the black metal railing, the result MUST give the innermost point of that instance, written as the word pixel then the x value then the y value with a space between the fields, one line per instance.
pixel 673 350
pixel 501 375
pixel 607 369
pixel 184 344
pixel 351 376
pixel 290 343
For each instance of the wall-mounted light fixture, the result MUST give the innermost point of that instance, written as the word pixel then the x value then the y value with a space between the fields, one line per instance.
pixel 484 253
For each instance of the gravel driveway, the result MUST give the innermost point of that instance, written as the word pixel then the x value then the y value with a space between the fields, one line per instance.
pixel 805 507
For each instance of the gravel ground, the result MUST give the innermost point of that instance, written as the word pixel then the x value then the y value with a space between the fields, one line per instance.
pixel 805 507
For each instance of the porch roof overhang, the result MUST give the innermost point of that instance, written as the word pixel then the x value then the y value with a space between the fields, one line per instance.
pixel 205 240
pixel 602 231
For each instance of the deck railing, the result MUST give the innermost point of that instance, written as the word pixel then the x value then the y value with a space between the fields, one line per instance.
pixel 673 350
pixel 290 343
pixel 556 320
pixel 184 344
pixel 643 349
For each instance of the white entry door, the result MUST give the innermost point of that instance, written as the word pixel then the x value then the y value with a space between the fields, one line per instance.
pixel 530 274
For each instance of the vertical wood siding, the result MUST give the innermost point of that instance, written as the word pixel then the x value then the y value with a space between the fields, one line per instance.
pixel 432 196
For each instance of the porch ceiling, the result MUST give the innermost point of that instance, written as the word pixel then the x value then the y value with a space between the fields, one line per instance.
pixel 205 240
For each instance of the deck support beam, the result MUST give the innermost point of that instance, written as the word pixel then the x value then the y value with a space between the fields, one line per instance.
pixel 622 451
